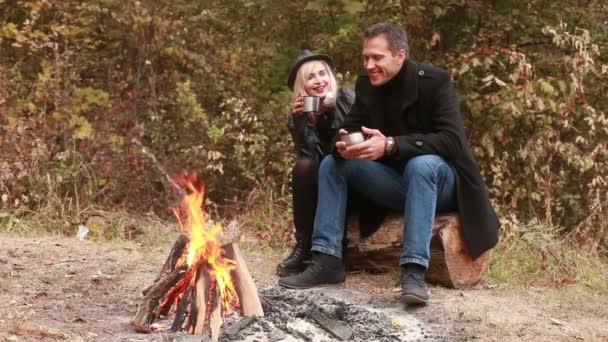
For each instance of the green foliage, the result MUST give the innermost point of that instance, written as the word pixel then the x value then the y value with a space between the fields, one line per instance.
pixel 266 214
pixel 202 85
pixel 84 98
pixel 7 222
pixel 545 122
pixel 189 107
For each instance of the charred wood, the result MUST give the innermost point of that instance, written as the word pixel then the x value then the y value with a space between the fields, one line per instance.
pixel 154 294
pixel 335 328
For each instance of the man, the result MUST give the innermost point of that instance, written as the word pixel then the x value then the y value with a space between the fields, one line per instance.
pixel 415 160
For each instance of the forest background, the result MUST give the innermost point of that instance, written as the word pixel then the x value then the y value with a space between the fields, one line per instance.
pixel 201 84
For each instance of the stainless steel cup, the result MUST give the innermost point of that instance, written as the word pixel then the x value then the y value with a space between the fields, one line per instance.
pixel 311 104
pixel 353 138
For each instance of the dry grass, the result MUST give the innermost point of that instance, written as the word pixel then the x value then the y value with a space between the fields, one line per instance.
pixel 528 254
pixel 266 221
pixel 535 255
pixel 145 229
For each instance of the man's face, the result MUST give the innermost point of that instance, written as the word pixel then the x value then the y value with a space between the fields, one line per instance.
pixel 380 63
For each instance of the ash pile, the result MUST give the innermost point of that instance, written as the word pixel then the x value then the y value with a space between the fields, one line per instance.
pixel 296 315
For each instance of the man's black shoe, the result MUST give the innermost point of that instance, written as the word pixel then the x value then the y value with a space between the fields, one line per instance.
pixel 297 261
pixel 413 289
pixel 324 269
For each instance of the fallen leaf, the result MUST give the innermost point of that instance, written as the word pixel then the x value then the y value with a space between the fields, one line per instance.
pixel 564 281
pixel 157 327
pixel 18 267
pixel 100 276
pixel 40 295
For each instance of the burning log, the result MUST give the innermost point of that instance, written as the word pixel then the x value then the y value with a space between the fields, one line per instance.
pixel 199 304
pixel 215 320
pixel 204 277
pixel 246 289
pixel 152 297
pixel 202 292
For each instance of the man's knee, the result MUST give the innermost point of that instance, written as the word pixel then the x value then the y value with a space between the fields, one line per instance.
pixel 424 166
pixel 328 164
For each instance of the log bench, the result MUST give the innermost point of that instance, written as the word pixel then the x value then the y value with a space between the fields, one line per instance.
pixel 450 263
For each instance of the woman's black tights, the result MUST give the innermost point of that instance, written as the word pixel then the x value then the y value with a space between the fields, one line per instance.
pixel 304 190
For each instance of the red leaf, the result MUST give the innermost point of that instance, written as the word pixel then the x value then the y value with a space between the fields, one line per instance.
pixel 564 281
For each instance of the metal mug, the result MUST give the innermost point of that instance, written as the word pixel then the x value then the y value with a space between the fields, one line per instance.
pixel 311 104
pixel 353 138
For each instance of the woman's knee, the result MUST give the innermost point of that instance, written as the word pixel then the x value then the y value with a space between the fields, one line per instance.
pixel 305 167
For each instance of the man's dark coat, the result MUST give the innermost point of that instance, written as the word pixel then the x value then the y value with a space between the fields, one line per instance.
pixel 419 109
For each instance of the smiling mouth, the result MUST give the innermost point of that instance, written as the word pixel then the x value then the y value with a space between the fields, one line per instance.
pixel 374 74
pixel 319 89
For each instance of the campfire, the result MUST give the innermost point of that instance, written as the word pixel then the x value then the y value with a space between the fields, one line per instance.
pixel 204 278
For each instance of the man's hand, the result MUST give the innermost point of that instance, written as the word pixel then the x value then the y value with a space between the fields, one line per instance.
pixel 370 149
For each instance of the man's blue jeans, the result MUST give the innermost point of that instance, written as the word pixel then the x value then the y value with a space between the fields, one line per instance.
pixel 426 186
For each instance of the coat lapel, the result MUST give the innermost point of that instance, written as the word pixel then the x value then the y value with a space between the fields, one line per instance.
pixel 410 84
pixel 373 100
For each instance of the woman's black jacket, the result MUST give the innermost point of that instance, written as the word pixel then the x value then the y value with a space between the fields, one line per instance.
pixel 316 141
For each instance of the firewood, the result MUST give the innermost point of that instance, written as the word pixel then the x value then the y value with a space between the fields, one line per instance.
pixel 182 311
pixel 246 289
pixel 166 179
pixel 235 328
pixel 450 263
pixel 191 293
pixel 202 294
pixel 215 319
pixel 229 235
pixel 145 311
pixel 176 252
pixel 172 296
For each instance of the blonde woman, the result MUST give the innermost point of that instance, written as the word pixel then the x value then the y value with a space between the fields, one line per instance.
pixel 313 135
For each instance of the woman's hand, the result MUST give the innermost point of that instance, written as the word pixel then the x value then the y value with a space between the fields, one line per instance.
pixel 298 105
pixel 342 147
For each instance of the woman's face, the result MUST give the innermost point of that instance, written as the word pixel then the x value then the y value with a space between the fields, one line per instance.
pixel 316 83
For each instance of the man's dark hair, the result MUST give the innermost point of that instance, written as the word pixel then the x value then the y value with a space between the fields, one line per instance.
pixel 396 36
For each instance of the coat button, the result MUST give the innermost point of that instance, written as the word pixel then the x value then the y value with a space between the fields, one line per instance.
pixel 421 72
pixel 418 143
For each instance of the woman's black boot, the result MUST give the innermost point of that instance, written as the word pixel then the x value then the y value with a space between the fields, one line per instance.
pixel 297 261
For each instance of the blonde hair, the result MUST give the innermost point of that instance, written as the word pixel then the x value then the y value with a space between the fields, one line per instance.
pixel 305 70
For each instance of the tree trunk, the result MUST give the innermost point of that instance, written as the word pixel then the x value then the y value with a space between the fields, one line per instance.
pixel 450 264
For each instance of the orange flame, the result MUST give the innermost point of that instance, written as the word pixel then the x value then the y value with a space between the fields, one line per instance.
pixel 204 247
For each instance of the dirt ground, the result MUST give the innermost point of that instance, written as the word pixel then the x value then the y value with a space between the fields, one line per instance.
pixel 66 289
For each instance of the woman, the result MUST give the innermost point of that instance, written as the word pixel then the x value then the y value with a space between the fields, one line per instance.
pixel 313 134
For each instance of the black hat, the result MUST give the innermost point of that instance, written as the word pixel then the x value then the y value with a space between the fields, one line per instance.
pixel 304 57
